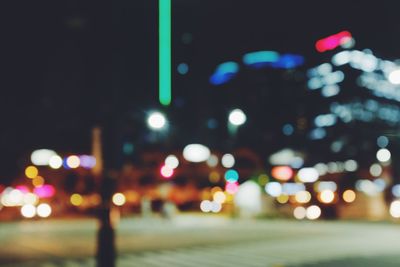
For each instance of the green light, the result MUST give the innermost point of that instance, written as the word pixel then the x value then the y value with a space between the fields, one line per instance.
pixel 164 52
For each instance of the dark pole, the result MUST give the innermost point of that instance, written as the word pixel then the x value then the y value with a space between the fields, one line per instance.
pixel 106 252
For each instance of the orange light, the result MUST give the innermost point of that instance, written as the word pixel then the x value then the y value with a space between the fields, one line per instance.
pixel 283 173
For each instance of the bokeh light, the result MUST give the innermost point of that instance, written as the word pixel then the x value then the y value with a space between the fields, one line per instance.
pixel 38 181
pixel 303 197
pixel 196 153
pixel 31 172
pixel 205 206
pixel 219 197
pixel 282 198
pixel 28 211
pixel 349 196
pixel 73 162
pixel 76 199
pixel 283 173
pixel 212 161
pixel 237 117
pixel 299 213
pixel 228 160
pixel 313 212
pixel 30 198
pixel 395 209
pixel 156 121
pixel 274 189
pixel 327 196
pixel 383 155
pixel 231 176
pixel 308 175
pixel 119 199
pixel 375 170
pixel 166 171
pixel 55 162
pixel 43 210
pixel 172 162
pixel 231 188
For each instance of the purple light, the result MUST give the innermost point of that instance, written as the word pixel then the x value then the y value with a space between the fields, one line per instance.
pixel 45 191
pixel 87 161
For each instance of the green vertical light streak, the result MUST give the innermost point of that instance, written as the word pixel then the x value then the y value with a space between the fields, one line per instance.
pixel 164 46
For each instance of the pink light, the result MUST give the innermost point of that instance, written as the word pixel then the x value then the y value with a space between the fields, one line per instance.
pixel 333 41
pixel 23 188
pixel 166 171
pixel 282 173
pixel 232 188
pixel 45 191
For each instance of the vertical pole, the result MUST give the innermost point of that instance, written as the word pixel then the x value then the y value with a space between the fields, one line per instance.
pixel 164 50
pixel 105 254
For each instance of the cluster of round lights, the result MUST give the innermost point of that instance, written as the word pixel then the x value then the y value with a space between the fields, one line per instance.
pixel 210 206
pixel 311 213
pixel 30 211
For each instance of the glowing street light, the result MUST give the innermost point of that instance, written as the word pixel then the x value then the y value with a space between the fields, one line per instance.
pixel 156 121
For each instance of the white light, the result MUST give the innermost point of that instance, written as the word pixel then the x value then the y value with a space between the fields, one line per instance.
pixel 313 212
pixel 308 175
pixel 350 165
pixel 228 160
pixel 383 155
pixel 395 209
pixel 274 189
pixel 30 198
pixel 237 117
pixel 394 76
pixel 196 153
pixel 28 211
pixel 327 196
pixel 396 190
pixel 212 161
pixel 326 185
pixel 206 206
pixel 299 213
pixel 55 162
pixel 156 121
pixel 330 90
pixel 43 210
pixel 341 58
pixel 41 157
pixel 321 168
pixel 248 198
pixel 172 162
pixel 216 207
pixel 375 170
pixel 291 189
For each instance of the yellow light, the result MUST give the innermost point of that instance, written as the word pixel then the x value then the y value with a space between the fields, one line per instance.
pixel 263 179
pixel 95 199
pixel 326 196
pixel 349 196
pixel 31 172
pixel 216 189
pixel 118 199
pixel 282 198
pixel 76 199
pixel 38 181
pixel 214 177
pixel 73 162
pixel 303 197
pixel 219 197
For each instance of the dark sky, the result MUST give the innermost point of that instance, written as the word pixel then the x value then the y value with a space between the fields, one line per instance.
pixel 69 65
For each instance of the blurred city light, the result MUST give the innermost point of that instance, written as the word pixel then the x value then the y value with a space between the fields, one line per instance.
pixel 205 206
pixel 31 172
pixel 228 161
pixel 394 76
pixel 30 198
pixel 283 173
pixel 87 161
pixel 43 210
pixel 282 199
pixel 383 155
pixel 274 189
pixel 219 197
pixel 326 196
pixel 313 212
pixel 325 185
pixel 38 181
pixel 164 50
pixel 73 161
pixel 299 213
pixel 45 191
pixel 303 197
pixel 172 162
pixel 333 41
pixel 28 211
pixel 183 68
pixel 382 141
pixel 196 153
pixel 224 73
pixel 375 170
pixel 55 162
pixel 349 196
pixel 237 117
pixel 396 190
pixel 166 171
pixel 231 188
pixel 231 176
pixel 248 198
pixel 41 157
pixel 212 161
pixel 76 199
pixel 119 199
pixel 156 121
pixel 395 209
pixel 308 175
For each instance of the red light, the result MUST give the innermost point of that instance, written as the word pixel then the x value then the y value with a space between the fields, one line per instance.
pixel 166 171
pixel 333 41
pixel 24 189
pixel 282 173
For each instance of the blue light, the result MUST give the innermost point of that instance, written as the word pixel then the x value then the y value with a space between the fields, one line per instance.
pixel 260 58
pixel 287 129
pixel 231 176
pixel 317 134
pixel 183 68
pixel 224 73
pixel 288 61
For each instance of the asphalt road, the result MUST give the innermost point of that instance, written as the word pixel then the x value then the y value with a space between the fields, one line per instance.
pixel 197 240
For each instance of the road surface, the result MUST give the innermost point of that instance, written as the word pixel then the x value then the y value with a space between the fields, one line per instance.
pixel 197 240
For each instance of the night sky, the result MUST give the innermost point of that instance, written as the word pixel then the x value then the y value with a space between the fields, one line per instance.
pixel 70 65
